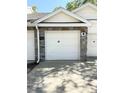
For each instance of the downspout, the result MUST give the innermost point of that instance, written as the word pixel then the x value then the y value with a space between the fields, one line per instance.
pixel 38 45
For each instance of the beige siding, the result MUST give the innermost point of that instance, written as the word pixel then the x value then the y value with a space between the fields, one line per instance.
pixel 87 13
pixel 93 27
pixel 61 17
pixel 92 45
pixel 92 39
pixel 30 45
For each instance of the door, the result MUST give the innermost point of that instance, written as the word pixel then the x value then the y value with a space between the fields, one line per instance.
pixel 30 45
pixel 62 45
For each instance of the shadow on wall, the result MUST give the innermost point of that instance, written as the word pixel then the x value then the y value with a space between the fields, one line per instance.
pixel 67 77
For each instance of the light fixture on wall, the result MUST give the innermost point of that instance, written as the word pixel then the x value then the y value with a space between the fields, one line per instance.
pixel 83 33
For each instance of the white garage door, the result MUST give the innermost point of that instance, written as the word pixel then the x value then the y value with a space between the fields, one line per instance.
pixel 92 45
pixel 62 45
pixel 30 45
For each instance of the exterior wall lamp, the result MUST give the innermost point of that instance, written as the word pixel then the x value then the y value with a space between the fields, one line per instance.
pixel 83 33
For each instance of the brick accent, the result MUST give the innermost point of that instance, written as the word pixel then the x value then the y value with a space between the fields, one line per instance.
pixel 83 46
pixel 42 45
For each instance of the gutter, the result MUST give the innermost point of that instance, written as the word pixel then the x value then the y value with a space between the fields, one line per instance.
pixel 38 45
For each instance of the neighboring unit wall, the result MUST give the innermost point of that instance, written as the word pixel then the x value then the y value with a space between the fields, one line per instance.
pixel 30 46
pixel 92 39
pixel 87 13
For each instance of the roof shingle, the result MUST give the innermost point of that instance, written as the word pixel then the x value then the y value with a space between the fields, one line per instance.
pixel 34 16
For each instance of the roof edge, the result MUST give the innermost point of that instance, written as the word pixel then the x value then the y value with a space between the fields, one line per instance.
pixel 59 10
pixel 85 5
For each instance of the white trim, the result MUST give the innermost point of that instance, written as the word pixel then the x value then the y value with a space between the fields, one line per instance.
pixel 63 25
pixel 60 25
pixel 58 11
pixel 85 5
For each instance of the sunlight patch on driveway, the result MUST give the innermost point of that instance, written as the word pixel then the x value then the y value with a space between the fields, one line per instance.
pixel 64 78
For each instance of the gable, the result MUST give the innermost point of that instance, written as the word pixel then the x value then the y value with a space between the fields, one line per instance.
pixel 61 17
pixel 87 11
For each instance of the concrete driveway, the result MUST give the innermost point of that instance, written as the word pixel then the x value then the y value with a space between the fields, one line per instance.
pixel 63 77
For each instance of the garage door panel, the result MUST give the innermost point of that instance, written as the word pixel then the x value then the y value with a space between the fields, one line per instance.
pixel 67 48
pixel 58 57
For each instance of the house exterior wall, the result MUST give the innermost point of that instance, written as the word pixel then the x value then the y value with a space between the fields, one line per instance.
pixel 90 14
pixel 92 39
pixel 88 42
pixel 89 48
pixel 61 17
pixel 87 13
pixel 35 44
pixel 93 27
pixel 92 45
pixel 30 46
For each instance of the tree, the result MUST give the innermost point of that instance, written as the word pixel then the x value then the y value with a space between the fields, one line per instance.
pixel 34 8
pixel 91 1
pixel 77 3
pixel 73 4
pixel 56 8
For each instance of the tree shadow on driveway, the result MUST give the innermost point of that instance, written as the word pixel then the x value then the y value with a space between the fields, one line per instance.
pixel 63 77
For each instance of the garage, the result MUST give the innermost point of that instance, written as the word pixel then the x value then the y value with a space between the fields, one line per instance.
pixel 62 45
pixel 30 45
